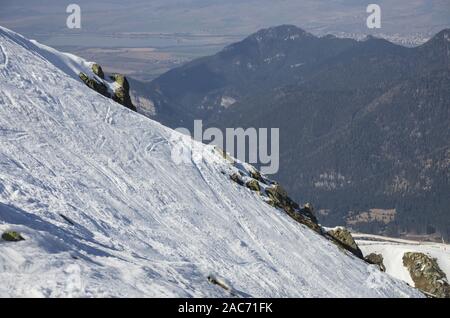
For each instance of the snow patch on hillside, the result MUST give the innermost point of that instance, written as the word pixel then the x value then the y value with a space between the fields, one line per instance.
pixel 70 64
pixel 227 101
pixel 393 250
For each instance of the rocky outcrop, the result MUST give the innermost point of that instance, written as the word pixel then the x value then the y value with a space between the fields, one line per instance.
pixel 274 194
pixel 255 174
pixel 279 198
pixel 426 274
pixel 12 236
pixel 308 210
pixel 97 86
pixel 253 185
pixel 236 177
pixel 97 69
pixel 122 92
pixel 213 280
pixel 343 238
pixel 376 259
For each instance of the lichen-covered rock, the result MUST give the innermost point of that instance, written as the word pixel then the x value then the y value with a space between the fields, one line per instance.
pixel 122 92
pixel 97 69
pixel 308 210
pixel 100 88
pixel 270 202
pixel 12 236
pixel 278 197
pixel 217 282
pixel 255 174
pixel 343 238
pixel 121 80
pixel 303 219
pixel 426 274
pixel 253 185
pixel 376 259
pixel 236 177
pixel 277 194
pixel 308 206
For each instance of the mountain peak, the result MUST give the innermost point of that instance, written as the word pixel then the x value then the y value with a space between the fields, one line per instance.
pixel 441 37
pixel 285 32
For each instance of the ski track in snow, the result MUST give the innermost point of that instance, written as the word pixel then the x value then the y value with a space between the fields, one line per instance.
pixel 3 58
pixel 107 213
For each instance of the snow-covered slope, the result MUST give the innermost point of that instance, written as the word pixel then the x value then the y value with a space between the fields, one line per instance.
pixel 105 211
pixel 69 63
pixel 393 250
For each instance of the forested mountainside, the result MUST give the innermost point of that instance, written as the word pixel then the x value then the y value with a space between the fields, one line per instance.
pixel 364 125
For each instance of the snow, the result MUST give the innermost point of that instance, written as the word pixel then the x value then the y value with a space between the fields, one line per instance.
pixel 276 57
pixel 227 101
pixel 292 37
pixel 106 212
pixel 393 250
pixel 297 65
pixel 3 60
pixel 70 64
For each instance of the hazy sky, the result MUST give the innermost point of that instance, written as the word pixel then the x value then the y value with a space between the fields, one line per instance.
pixel 44 18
